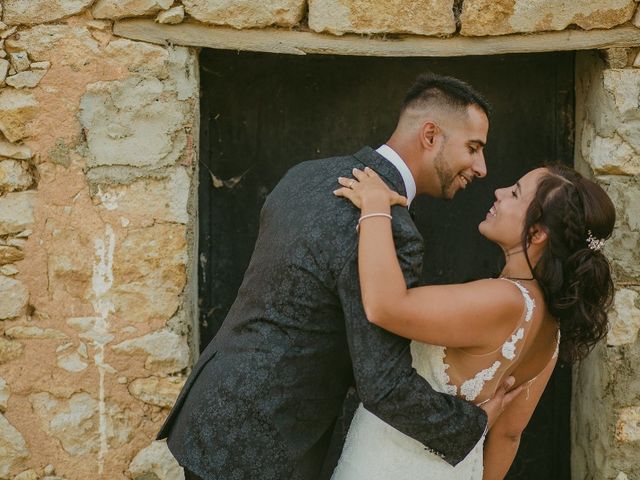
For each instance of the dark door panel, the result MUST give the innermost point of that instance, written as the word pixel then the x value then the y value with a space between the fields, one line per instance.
pixel 263 113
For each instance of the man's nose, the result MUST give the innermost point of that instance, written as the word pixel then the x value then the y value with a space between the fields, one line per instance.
pixel 480 167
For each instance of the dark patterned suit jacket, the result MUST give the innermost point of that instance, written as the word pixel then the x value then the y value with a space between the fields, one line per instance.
pixel 272 381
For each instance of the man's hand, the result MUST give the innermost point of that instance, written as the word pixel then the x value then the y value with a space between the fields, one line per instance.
pixel 494 407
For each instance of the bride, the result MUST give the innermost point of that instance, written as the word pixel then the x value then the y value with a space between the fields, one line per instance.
pixel 551 298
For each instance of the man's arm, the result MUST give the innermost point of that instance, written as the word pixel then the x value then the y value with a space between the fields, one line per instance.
pixel 388 385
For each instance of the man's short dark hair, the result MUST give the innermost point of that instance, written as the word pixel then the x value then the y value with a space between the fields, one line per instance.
pixel 432 89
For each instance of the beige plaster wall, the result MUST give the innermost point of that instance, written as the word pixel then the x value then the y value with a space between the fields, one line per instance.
pixel 98 149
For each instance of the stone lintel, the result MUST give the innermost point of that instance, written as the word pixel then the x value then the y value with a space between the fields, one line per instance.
pixel 301 43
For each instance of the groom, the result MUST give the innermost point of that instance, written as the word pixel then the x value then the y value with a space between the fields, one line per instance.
pixel 263 398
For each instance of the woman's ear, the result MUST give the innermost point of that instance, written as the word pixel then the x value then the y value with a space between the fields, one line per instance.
pixel 538 235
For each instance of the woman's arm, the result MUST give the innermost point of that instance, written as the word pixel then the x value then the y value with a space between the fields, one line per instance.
pixel 466 315
pixel 504 437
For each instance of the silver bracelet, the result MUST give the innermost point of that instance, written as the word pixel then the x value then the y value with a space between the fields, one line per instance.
pixel 370 215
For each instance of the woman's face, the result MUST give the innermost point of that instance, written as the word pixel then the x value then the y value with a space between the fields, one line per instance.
pixel 505 219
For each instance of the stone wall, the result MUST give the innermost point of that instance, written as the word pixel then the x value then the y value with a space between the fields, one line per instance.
pixel 97 160
pixel 98 154
pixel 606 403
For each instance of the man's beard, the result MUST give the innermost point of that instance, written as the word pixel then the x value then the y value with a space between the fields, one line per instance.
pixel 445 176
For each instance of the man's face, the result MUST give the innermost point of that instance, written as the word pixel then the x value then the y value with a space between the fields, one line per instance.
pixel 460 158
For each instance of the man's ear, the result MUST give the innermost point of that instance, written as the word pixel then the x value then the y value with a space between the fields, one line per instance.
pixel 428 134
pixel 538 235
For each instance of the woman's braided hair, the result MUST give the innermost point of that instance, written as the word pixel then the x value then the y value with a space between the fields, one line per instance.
pixel 575 279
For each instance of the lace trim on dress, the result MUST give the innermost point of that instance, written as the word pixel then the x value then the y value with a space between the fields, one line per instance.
pixel 509 347
pixel 529 302
pixel 472 388
pixel 442 375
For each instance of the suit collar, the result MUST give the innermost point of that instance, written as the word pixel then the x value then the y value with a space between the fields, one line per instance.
pixel 383 167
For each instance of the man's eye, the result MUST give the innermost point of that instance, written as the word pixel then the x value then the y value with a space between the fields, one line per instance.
pixel 473 150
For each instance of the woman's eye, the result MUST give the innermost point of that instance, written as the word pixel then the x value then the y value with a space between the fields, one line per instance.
pixel 514 194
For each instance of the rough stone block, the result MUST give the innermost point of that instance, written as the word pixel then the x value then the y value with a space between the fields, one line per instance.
pixel 14 297
pixel 624 319
pixel 19 152
pixel 159 391
pixel 616 57
pixel 247 13
pixel 32 12
pixel 17 109
pixel 72 362
pixel 128 8
pixel 166 352
pixel 33 332
pixel 156 461
pixel 75 422
pixel 9 270
pixel 9 350
pixel 27 475
pixel 90 330
pixel 422 17
pixel 139 57
pixel 19 61
pixel 14 176
pixel 40 40
pixel 5 391
pixel 28 79
pixel 4 70
pixel 6 33
pixel 149 271
pixel 13 448
pixel 133 122
pixel 172 16
pixel 623 248
pixel 609 155
pixel 16 211
pixel 41 65
pixel 610 136
pixel 624 86
pixel 499 17
pixel 628 425
pixel 165 199
pixel 69 260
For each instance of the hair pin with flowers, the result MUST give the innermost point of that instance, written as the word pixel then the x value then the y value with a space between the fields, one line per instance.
pixel 594 243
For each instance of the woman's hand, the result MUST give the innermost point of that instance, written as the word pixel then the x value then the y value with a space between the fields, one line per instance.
pixel 368 188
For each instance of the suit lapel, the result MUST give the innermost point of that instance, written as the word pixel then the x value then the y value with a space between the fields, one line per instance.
pixel 383 167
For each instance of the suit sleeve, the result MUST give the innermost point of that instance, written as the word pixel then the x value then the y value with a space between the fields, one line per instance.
pixel 389 386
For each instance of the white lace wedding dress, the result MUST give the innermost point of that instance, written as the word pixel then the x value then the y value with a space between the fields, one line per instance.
pixel 374 450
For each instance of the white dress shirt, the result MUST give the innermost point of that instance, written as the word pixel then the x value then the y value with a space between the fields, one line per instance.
pixel 409 183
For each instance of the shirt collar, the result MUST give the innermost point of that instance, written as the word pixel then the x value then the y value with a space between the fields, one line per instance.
pixel 409 183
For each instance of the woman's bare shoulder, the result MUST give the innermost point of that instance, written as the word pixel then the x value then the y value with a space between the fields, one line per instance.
pixel 503 295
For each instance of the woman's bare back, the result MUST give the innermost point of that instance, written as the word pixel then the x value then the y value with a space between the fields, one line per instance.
pixel 531 344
